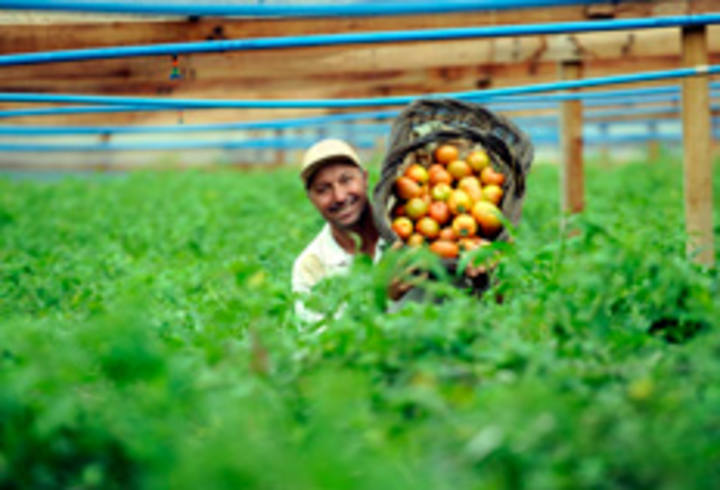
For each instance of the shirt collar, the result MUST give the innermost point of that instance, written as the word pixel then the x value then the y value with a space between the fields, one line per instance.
pixel 332 251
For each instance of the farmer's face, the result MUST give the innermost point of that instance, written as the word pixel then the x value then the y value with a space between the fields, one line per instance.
pixel 339 192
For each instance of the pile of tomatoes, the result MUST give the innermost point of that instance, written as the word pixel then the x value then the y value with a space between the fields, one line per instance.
pixel 450 204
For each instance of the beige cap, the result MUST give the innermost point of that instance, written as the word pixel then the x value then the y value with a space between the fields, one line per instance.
pixel 325 151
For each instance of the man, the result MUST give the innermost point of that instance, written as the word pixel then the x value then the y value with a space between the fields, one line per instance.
pixel 337 184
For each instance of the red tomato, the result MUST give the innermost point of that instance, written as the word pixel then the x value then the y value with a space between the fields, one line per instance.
pixel 406 187
pixel 439 211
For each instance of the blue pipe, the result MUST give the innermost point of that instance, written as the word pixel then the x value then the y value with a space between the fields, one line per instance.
pixel 279 144
pixel 309 10
pixel 355 38
pixel 476 95
pixel 15 130
pixel 271 143
pixel 180 128
pixel 652 94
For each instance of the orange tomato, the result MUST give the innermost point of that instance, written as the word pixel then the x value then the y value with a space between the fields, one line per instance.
pixel 487 216
pixel 446 153
pixel 416 208
pixel 447 234
pixel 415 240
pixel 493 193
pixel 406 187
pixel 417 172
pixel 459 169
pixel 427 227
pixel 402 226
pixel 490 176
pixel 472 243
pixel 459 202
pixel 445 249
pixel 437 174
pixel 478 160
pixel 464 226
pixel 439 211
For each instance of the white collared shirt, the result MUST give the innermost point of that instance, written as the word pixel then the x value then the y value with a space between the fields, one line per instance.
pixel 322 258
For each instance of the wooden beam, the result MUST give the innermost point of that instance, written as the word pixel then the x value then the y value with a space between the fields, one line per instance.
pixel 23 33
pixel 697 150
pixel 572 186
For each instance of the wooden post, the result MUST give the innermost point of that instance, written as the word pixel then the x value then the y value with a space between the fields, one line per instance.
pixel 572 185
pixel 697 149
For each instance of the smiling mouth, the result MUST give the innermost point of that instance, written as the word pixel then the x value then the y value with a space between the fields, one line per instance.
pixel 346 208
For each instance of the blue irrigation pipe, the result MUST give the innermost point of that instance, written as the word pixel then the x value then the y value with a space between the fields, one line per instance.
pixel 293 10
pixel 327 121
pixel 476 95
pixel 6 130
pixel 652 94
pixel 254 144
pixel 279 144
pixel 220 46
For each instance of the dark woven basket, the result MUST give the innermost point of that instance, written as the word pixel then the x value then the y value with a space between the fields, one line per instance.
pixel 425 123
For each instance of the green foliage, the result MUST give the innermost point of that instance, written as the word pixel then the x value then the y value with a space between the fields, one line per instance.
pixel 147 340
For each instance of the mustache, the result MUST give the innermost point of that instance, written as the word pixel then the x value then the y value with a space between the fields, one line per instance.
pixel 349 201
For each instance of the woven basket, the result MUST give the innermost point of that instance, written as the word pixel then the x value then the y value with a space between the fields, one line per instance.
pixel 425 124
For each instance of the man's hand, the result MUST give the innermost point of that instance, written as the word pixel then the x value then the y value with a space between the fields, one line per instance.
pixel 407 280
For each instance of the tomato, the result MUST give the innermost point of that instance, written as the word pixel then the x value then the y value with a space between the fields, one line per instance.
pixel 438 174
pixel 415 240
pixel 402 226
pixel 493 193
pixel 471 243
pixel 444 248
pixel 439 211
pixel 416 208
pixel 417 172
pixel 440 192
pixel 459 201
pixel 399 210
pixel 446 153
pixel 406 187
pixel 478 160
pixel 459 169
pixel 490 176
pixel 471 185
pixel 425 194
pixel 464 226
pixel 447 234
pixel 427 227
pixel 487 216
